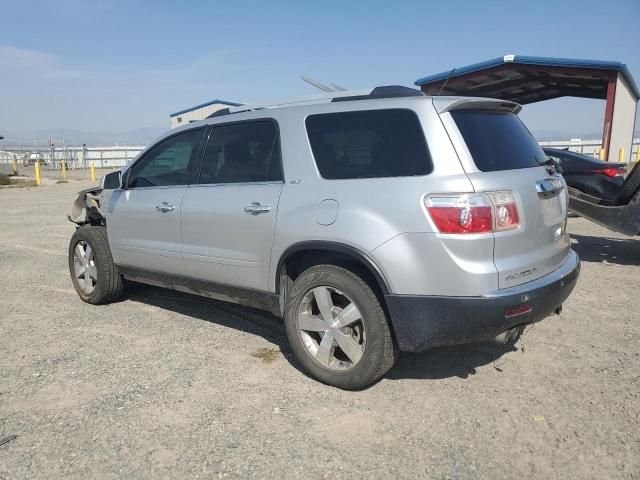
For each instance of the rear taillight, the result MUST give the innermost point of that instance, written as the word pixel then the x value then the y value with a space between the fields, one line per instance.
pixel 467 213
pixel 505 211
pixel 473 212
pixel 612 172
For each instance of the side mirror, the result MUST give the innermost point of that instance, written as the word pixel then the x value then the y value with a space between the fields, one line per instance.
pixel 112 181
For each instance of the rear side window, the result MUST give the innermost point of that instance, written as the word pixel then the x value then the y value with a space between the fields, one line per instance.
pixel 242 152
pixel 498 140
pixel 368 144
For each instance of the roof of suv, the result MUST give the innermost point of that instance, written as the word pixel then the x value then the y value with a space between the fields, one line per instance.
pixel 443 103
pixel 361 98
pixel 389 91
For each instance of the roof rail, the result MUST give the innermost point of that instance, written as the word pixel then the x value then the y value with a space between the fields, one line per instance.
pixel 391 91
pixel 219 113
pixel 388 91
pixel 319 98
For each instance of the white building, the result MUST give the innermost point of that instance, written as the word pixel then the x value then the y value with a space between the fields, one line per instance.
pixel 199 112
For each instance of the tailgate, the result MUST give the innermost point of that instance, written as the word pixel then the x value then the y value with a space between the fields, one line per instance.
pixel 499 154
pixel 540 244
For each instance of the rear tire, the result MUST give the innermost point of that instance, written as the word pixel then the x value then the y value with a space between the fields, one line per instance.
pixel 337 328
pixel 93 273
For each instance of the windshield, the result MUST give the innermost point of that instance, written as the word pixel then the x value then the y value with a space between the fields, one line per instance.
pixel 498 140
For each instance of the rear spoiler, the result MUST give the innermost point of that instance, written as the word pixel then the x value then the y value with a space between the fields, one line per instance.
pixel 444 104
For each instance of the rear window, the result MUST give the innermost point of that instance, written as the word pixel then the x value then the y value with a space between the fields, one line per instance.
pixel 498 140
pixel 368 144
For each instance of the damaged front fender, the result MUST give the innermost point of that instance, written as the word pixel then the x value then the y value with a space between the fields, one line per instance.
pixel 87 207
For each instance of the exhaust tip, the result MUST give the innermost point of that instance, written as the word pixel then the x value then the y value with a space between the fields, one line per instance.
pixel 510 336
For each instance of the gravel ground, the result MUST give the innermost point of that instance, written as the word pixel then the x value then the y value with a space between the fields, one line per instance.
pixel 169 385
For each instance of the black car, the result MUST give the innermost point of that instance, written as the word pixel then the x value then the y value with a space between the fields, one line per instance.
pixel 588 174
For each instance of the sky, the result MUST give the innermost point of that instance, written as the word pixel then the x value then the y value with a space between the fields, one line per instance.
pixel 117 65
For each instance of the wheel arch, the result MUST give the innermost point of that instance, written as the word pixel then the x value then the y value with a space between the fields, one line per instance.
pixel 354 254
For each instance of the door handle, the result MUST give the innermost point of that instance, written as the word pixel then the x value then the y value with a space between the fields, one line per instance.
pixel 256 208
pixel 164 207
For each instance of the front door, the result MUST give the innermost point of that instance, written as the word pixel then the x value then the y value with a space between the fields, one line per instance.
pixel 229 216
pixel 144 217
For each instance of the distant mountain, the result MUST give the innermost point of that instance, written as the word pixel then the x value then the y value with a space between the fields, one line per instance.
pixel 550 135
pixel 60 136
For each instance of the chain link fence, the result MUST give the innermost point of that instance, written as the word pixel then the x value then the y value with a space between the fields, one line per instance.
pixel 113 157
pixel 589 147
pixel 75 158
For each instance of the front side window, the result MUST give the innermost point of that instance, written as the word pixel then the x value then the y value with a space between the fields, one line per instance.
pixel 167 163
pixel 368 144
pixel 242 152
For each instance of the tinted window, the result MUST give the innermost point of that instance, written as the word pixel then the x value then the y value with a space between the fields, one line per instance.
pixel 242 152
pixel 498 140
pixel 167 162
pixel 368 144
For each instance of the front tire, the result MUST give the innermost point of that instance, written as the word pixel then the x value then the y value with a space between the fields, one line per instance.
pixel 93 273
pixel 337 328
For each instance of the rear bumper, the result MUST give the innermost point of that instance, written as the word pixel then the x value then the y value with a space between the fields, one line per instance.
pixel 422 322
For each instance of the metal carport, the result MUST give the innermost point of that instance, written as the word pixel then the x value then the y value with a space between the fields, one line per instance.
pixel 526 79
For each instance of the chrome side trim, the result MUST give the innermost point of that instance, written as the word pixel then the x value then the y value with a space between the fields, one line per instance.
pixel 236 184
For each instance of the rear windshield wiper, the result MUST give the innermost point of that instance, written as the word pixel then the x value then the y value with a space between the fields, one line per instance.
pixel 551 165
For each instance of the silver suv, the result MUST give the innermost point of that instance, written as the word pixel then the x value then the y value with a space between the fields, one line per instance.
pixel 371 221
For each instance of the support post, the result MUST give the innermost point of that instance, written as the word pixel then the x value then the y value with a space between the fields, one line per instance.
pixel 608 116
pixel 93 172
pixel 36 167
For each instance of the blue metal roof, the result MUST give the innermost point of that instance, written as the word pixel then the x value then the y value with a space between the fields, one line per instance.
pixel 529 60
pixel 206 104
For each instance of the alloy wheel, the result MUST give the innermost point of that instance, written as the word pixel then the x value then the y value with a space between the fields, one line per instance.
pixel 84 267
pixel 331 327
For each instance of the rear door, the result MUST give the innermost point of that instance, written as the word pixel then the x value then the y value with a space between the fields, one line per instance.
pixel 144 217
pixel 499 154
pixel 229 214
